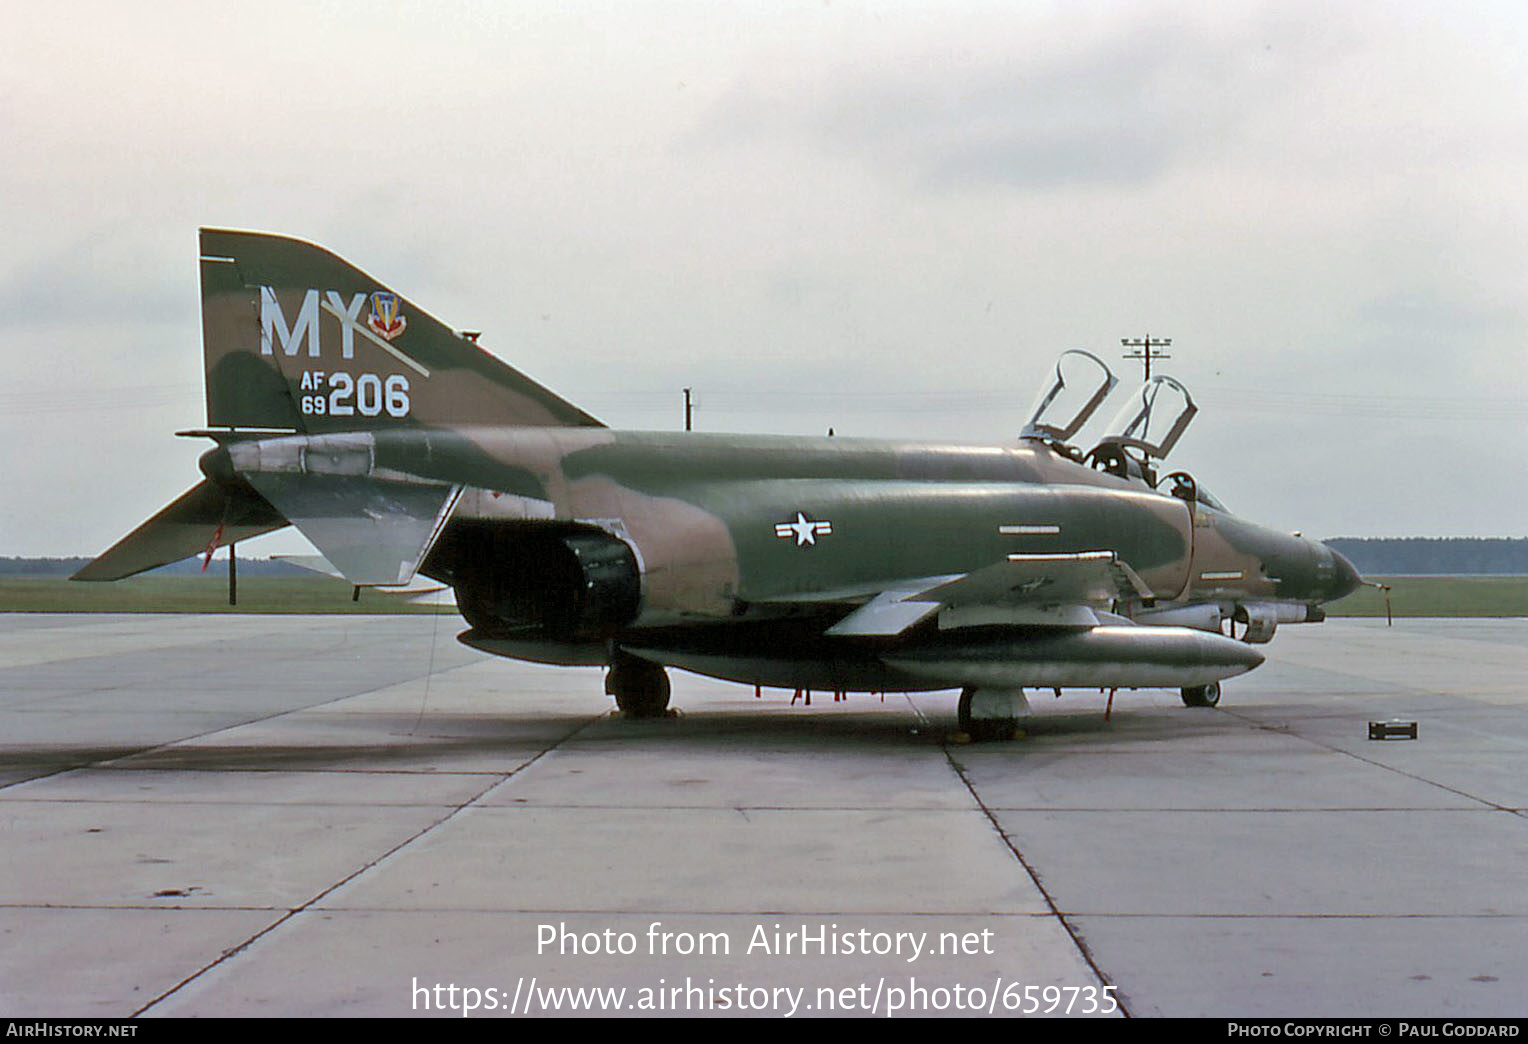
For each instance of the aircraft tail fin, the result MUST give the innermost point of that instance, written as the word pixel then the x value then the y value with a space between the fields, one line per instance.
pixel 297 339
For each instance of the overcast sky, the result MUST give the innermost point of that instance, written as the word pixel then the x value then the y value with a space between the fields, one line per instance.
pixel 885 218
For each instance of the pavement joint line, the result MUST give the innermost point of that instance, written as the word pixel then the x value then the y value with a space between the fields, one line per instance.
pixel 540 807
pixel 667 912
pixel 1061 916
pixel 256 770
pixel 292 912
pixel 1400 916
pixel 216 908
pixel 605 912
pixel 1055 911
pixel 1495 806
pixel 242 804
pixel 431 911
pixel 1238 811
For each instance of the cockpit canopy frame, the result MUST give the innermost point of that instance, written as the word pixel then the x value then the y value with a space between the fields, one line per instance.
pixel 1048 420
pixel 1153 419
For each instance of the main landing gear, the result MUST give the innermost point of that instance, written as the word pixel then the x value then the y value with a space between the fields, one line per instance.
pixel 1202 695
pixel 640 687
pixel 990 714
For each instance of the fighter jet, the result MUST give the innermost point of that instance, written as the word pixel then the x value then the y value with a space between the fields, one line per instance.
pixel 398 446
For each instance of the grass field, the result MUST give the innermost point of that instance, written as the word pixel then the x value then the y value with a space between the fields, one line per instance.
pixel 1439 596
pixel 200 594
pixel 1409 596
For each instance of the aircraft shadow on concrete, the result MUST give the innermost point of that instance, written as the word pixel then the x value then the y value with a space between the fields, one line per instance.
pixel 502 742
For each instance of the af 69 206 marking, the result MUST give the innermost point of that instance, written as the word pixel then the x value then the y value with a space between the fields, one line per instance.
pixel 367 394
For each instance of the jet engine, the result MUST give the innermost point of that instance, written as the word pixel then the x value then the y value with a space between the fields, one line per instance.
pixel 547 580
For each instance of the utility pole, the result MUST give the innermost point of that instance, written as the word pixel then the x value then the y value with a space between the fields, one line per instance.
pixel 688 410
pixel 1143 349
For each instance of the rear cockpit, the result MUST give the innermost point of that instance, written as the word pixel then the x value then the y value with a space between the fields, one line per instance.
pixel 1147 427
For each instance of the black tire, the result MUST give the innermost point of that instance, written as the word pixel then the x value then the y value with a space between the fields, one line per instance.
pixel 981 730
pixel 1202 695
pixel 640 687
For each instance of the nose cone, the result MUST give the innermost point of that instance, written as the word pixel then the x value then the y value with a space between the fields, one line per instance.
pixel 1346 579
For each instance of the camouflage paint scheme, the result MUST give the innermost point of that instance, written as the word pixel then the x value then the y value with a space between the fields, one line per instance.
pixel 397 445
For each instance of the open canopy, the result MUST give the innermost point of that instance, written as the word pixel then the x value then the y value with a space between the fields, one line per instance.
pixel 1081 384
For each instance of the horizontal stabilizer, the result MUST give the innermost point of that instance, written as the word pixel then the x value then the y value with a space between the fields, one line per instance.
pixel 202 518
pixel 424 588
pixel 373 532
pixel 312 563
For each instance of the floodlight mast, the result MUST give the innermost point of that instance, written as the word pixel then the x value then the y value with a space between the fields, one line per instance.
pixel 1144 346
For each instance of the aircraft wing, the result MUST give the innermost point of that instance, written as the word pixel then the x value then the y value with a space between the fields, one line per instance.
pixel 1046 589
pixel 202 518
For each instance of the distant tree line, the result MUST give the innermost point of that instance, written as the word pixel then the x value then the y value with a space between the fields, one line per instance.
pixel 190 567
pixel 1434 556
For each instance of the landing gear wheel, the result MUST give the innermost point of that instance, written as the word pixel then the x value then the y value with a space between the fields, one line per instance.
pixel 640 687
pixel 982 730
pixel 1202 695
